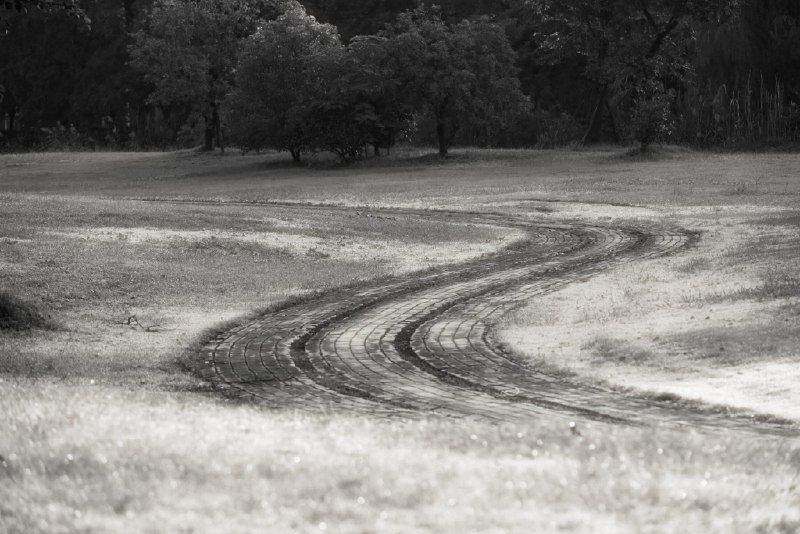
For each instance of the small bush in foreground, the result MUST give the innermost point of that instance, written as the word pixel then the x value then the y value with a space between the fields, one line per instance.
pixel 16 314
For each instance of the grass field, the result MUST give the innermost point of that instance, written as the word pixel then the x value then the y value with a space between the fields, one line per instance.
pixel 101 428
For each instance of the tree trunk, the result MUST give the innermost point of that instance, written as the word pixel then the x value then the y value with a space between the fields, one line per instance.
pixel 440 134
pixel 592 134
pixel 218 129
pixel 614 130
pixel 208 144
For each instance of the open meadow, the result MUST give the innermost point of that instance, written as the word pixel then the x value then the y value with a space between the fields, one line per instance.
pixel 126 261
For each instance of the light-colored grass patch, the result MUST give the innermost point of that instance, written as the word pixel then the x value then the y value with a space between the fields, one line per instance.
pixel 97 458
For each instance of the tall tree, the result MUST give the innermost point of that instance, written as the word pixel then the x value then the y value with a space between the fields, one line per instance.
pixel 278 77
pixel 620 41
pixel 56 69
pixel 455 73
pixel 188 52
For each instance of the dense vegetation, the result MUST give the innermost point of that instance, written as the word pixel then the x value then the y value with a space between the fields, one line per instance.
pixel 343 76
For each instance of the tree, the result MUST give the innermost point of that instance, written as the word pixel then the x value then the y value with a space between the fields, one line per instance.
pixel 614 38
pixel 456 74
pixel 372 80
pixel 70 7
pixel 279 76
pixel 41 54
pixel 188 52
pixel 365 17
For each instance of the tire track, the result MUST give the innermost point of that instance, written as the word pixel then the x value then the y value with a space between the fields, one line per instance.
pixel 423 344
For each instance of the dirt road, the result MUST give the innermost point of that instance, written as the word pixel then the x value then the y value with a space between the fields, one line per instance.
pixel 423 344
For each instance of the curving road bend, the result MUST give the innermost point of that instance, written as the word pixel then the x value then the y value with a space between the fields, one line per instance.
pixel 423 344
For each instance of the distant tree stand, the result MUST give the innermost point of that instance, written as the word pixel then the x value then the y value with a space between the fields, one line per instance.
pixel 626 46
pixel 457 74
pixel 69 6
pixel 188 50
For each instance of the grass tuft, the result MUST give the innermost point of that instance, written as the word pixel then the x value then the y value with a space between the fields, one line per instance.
pixel 605 349
pixel 776 285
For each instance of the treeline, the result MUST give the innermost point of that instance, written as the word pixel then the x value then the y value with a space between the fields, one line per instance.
pixel 355 77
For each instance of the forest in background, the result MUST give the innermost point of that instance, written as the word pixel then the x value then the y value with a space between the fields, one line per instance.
pixel 708 73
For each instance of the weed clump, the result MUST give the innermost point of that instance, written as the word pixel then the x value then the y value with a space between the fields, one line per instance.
pixel 16 314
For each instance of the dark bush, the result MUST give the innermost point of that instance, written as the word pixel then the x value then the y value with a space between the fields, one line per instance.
pixel 16 314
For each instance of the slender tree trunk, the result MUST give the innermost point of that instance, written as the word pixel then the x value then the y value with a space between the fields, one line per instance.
pixel 613 122
pixel 208 144
pixel 440 134
pixel 595 128
pixel 218 129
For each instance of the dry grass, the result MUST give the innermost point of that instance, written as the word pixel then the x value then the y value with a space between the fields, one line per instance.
pixel 101 429
pixel 100 459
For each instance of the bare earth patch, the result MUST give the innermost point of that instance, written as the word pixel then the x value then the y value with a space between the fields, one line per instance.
pixel 717 323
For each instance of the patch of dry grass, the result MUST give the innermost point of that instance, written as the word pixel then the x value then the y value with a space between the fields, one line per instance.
pixel 106 459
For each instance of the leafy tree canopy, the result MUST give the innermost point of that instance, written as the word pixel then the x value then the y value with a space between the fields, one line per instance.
pixel 50 6
pixel 279 75
pixel 188 51
pixel 456 73
pixel 623 45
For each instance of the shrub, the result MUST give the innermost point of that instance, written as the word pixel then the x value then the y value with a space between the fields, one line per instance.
pixel 16 314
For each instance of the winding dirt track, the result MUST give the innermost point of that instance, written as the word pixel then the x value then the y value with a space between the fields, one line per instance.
pixel 423 344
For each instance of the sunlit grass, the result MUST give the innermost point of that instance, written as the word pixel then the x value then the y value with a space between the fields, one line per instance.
pixel 106 459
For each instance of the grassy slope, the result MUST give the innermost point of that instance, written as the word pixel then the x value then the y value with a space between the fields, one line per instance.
pixel 105 433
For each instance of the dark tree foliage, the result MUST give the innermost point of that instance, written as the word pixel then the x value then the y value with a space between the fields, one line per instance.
pixel 358 18
pixel 71 7
pixel 187 51
pixel 456 74
pixel 361 102
pixel 300 89
pixel 760 40
pixel 57 70
pixel 629 50
pixel 368 17
pixel 280 76
pixel 747 85
pixel 699 71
